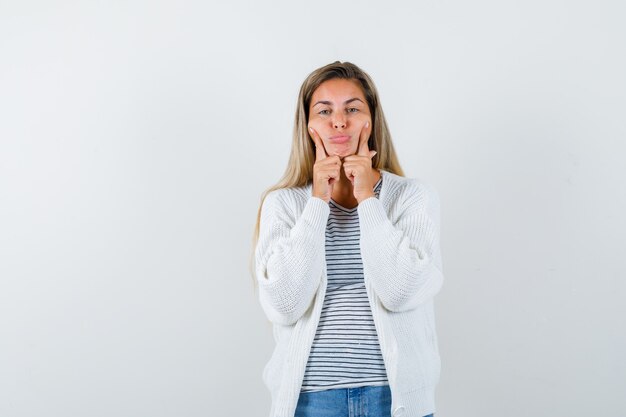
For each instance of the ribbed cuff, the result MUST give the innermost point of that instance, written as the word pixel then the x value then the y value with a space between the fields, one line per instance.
pixel 420 402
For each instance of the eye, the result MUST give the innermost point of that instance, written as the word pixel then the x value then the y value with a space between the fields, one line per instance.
pixel 324 112
pixel 353 110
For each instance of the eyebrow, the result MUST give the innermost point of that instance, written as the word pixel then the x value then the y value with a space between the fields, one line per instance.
pixel 345 102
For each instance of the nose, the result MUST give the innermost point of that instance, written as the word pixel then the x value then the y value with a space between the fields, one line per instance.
pixel 339 122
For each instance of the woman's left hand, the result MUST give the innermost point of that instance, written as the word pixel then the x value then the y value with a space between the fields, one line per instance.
pixel 358 168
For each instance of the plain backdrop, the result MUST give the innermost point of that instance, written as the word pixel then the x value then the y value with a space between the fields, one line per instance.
pixel 136 138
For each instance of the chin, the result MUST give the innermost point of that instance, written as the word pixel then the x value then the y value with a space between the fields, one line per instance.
pixel 343 151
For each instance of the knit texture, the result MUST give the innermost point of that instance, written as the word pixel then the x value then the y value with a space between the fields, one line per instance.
pixel 402 269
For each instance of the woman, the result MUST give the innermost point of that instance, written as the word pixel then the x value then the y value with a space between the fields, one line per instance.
pixel 347 260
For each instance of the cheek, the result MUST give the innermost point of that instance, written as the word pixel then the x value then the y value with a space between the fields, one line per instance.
pixel 364 118
pixel 315 122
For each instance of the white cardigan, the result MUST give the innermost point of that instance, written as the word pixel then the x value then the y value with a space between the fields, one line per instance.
pixel 402 268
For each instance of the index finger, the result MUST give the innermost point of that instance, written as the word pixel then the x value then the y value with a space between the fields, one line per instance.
pixel 320 151
pixel 364 150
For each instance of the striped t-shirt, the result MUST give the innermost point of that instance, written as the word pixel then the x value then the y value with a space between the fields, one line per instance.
pixel 345 352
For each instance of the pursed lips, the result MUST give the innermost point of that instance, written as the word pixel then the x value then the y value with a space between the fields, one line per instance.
pixel 340 139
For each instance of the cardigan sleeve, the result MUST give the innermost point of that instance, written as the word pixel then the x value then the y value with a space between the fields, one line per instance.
pixel 289 256
pixel 403 260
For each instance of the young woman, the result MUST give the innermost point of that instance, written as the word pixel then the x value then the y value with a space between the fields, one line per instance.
pixel 347 261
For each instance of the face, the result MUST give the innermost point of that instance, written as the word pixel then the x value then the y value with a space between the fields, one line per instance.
pixel 338 112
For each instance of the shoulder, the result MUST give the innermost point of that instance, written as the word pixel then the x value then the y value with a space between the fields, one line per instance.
pixel 286 199
pixel 411 189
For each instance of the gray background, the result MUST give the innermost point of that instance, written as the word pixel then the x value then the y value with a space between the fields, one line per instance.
pixel 137 136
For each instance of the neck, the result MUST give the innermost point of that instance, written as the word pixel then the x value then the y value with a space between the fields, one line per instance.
pixel 343 189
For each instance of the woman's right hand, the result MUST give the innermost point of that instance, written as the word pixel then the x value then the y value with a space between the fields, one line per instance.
pixel 326 170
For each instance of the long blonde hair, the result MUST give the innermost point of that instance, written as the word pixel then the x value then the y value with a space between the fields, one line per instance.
pixel 299 170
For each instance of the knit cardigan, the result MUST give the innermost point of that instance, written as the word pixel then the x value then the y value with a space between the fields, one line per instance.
pixel 402 270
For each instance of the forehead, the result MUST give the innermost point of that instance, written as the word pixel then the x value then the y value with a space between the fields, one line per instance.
pixel 337 89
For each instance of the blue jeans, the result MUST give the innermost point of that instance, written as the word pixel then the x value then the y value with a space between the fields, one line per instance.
pixel 346 402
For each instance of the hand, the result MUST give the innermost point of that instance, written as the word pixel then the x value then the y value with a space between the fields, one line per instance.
pixel 326 170
pixel 358 168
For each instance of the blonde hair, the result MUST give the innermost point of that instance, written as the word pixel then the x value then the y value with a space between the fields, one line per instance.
pixel 299 171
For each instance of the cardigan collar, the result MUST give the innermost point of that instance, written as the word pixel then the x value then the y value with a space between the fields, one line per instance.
pixel 385 175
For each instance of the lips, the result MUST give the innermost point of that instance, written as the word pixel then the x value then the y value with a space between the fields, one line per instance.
pixel 340 139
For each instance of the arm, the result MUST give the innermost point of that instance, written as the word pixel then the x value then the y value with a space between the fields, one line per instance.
pixel 403 260
pixel 289 257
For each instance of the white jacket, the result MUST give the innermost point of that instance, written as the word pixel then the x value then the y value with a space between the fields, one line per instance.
pixel 402 268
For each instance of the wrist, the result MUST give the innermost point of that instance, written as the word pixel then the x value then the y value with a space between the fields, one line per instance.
pixel 365 197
